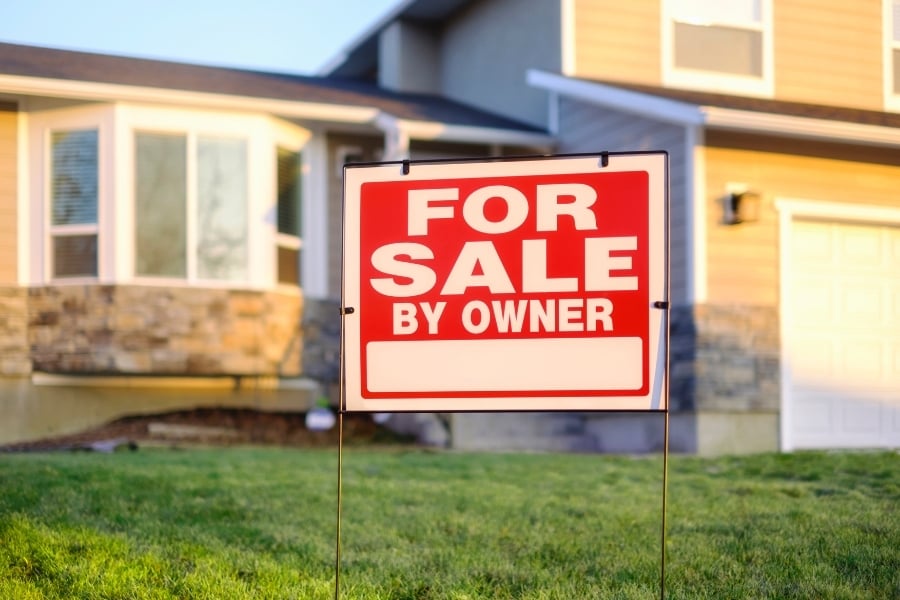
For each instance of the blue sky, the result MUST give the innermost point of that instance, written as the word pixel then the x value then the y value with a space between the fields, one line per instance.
pixel 290 36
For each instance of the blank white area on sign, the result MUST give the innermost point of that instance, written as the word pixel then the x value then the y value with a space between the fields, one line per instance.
pixel 536 365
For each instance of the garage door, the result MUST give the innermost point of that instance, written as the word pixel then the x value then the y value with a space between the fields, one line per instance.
pixel 841 287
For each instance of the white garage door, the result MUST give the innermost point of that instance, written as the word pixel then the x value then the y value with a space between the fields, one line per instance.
pixel 841 289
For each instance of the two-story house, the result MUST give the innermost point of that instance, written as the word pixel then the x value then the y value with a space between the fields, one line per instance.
pixel 171 232
pixel 172 228
pixel 782 122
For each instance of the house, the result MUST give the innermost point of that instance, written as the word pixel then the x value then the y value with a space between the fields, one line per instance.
pixel 782 123
pixel 171 232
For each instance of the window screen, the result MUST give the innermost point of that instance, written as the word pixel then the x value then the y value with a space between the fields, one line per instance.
pixel 74 200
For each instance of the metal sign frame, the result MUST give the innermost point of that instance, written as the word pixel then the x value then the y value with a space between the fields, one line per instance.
pixel 652 395
pixel 556 304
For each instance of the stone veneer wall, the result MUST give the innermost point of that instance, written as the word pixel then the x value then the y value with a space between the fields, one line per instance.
pixel 725 358
pixel 112 329
pixel 322 340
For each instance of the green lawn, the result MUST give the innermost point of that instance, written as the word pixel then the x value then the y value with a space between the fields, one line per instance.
pixel 259 523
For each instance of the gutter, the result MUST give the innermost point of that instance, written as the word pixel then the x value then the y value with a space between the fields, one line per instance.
pixel 112 92
pixel 398 133
pixel 687 114
pixel 395 128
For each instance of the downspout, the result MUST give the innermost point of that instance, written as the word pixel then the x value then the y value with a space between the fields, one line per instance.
pixel 396 138
pixel 695 205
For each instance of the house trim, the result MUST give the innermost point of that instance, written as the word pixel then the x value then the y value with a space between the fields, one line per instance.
pixel 23 206
pixel 801 127
pixel 645 105
pixel 789 210
pixel 685 113
pixel 567 18
pixel 433 130
pixel 110 92
pixel 695 196
pixel 314 258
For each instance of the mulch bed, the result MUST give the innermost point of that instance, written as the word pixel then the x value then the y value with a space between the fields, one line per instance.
pixel 213 427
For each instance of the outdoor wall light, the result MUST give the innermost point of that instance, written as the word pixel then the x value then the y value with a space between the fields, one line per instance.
pixel 740 206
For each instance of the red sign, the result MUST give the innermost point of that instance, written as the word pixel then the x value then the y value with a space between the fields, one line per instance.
pixel 507 285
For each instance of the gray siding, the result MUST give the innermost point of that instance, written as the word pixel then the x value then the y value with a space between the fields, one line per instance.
pixel 408 58
pixel 369 147
pixel 488 48
pixel 586 127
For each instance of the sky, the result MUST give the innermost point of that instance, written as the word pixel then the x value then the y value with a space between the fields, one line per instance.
pixel 287 36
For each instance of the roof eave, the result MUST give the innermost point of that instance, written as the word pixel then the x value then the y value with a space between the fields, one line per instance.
pixel 437 131
pixel 801 127
pixel 688 114
pixel 313 111
pixel 112 92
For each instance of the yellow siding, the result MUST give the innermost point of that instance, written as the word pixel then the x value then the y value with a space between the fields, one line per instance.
pixel 743 259
pixel 8 250
pixel 618 40
pixel 829 52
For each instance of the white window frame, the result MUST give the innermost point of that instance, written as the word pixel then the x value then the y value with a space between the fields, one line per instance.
pixel 292 138
pixel 262 135
pixel 117 125
pixel 710 81
pixel 891 99
pixel 136 119
pixel 41 126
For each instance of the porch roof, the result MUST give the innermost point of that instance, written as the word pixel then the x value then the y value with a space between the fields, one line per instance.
pixel 37 70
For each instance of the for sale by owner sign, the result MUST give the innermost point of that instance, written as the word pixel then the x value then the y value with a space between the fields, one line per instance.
pixel 507 284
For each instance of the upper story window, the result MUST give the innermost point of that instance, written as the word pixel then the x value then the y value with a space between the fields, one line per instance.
pixel 74 166
pixel 723 46
pixel 892 54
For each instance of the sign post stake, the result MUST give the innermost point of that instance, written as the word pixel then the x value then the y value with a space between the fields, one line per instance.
pixel 665 481
pixel 506 284
pixel 337 551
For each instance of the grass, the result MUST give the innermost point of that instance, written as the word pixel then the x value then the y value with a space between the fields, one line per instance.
pixel 259 523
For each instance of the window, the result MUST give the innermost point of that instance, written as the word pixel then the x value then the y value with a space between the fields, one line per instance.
pixel 721 46
pixel 172 239
pixel 74 189
pixel 169 196
pixel 289 211
pixel 160 224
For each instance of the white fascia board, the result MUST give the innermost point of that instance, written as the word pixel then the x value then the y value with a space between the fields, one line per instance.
pixel 682 113
pixel 433 130
pixel 802 127
pixel 645 105
pixel 855 213
pixel 108 92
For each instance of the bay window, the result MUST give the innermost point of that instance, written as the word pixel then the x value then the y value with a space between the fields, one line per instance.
pixel 133 193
